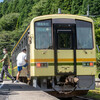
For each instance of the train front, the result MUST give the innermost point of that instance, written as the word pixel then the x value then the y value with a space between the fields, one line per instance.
pixel 63 59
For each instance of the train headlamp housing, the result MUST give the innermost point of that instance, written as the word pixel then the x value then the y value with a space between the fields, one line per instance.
pixel 88 64
pixel 38 65
pixel 41 64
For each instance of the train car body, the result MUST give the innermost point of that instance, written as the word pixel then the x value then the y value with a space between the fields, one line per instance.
pixel 61 53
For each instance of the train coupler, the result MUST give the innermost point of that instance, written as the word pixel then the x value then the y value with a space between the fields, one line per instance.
pixel 71 80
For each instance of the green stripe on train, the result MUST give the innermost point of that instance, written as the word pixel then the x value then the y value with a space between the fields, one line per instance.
pixel 59 64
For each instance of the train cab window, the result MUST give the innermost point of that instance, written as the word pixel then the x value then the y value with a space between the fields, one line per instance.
pixel 64 39
pixel 43 34
pixel 84 35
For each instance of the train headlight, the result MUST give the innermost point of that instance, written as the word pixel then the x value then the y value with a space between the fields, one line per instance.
pixel 41 64
pixel 91 64
pixel 38 65
pixel 87 64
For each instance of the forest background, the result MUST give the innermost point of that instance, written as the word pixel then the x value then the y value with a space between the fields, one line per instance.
pixel 15 15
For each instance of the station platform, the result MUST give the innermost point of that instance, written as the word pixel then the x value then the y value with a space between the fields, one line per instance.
pixel 22 91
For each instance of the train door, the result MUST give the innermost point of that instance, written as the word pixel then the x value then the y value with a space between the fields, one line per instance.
pixel 64 49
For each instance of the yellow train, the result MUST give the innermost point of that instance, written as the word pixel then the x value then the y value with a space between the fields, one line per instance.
pixel 61 53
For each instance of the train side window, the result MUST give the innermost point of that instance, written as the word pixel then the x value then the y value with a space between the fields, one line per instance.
pixel 22 44
pixel 24 41
pixel 19 47
pixel 14 55
pixel 43 34
pixel 16 50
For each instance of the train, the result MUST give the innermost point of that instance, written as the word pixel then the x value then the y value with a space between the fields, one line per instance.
pixel 61 54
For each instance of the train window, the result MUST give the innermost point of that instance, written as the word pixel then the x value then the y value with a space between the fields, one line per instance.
pixel 24 41
pixel 84 35
pixel 22 44
pixel 64 39
pixel 43 34
pixel 19 47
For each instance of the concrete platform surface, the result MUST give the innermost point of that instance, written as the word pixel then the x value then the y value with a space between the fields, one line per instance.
pixel 97 82
pixel 22 91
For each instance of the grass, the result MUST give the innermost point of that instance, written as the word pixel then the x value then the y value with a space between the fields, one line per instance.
pixel 94 94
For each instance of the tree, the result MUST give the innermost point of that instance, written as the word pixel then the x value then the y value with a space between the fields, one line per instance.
pixel 97 30
pixel 84 6
pixel 4 7
pixel 10 5
pixel 47 8
pixel 0 10
pixel 95 7
pixel 76 6
pixel 9 21
pixel 15 6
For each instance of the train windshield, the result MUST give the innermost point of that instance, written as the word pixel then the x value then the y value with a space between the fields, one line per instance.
pixel 43 35
pixel 84 35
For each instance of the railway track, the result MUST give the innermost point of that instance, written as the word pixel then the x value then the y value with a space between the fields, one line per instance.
pixel 81 98
pixel 77 98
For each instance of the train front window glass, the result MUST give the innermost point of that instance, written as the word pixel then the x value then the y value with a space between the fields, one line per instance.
pixel 84 35
pixel 43 34
pixel 64 40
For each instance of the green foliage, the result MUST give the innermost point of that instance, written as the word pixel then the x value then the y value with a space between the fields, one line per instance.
pixel 8 22
pixel 97 30
pixel 5 40
pixel 98 61
pixel 4 7
pixel 76 6
pixel 0 10
pixel 36 10
pixel 94 6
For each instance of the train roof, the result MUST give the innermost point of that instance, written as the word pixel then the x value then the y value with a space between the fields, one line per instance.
pixel 69 16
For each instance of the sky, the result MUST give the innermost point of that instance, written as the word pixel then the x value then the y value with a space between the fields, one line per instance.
pixel 1 0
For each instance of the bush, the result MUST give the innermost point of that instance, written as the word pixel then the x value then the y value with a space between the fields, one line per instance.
pixel 9 21
pixel 98 61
